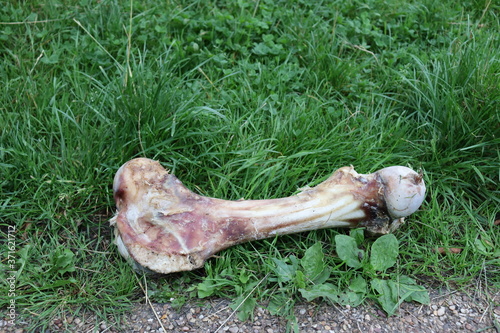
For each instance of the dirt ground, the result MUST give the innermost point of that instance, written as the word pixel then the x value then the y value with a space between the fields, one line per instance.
pixel 449 311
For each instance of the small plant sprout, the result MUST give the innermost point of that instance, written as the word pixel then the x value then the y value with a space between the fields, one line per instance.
pixel 164 227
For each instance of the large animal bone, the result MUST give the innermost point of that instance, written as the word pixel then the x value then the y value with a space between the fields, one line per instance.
pixel 164 227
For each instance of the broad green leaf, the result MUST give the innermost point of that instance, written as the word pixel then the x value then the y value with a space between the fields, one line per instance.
pixel 323 276
pixel 62 261
pixel 351 298
pixel 294 261
pixel 384 252
pixel 177 302
pixel 244 277
pixel 312 262
pixel 358 235
pixel 401 289
pixel 417 293
pixel 348 251
pixel 358 285
pixel 326 290
pixel 420 295
pixel 480 246
pixel 300 279
pixel 485 246
pixel 261 49
pixel 388 292
pixel 206 288
pixel 403 279
pixel 283 271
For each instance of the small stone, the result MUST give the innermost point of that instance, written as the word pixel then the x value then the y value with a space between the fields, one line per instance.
pixel 452 307
pixel 302 311
pixel 464 311
pixel 233 329
pixel 469 327
pixel 19 330
pixel 381 314
pixel 185 329
pixel 367 317
pixel 441 311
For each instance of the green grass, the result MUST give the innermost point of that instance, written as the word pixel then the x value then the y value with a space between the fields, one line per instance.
pixel 241 99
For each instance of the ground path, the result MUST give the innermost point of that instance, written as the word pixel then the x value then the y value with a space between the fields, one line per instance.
pixel 448 312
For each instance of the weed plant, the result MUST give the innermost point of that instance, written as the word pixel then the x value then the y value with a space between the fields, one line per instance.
pixel 245 99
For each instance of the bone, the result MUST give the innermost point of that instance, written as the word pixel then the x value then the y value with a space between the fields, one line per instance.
pixel 163 227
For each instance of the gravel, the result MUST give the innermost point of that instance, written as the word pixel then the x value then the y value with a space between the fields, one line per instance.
pixel 448 312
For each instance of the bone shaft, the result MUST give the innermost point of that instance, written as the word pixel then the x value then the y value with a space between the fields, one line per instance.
pixel 305 211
